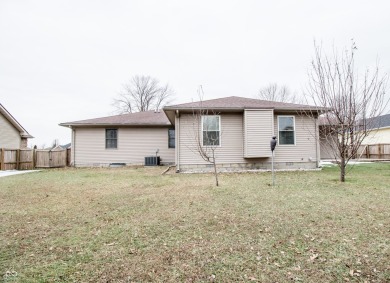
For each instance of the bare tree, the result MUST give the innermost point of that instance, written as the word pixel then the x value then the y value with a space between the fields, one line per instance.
pixel 206 134
pixel 353 102
pixel 142 93
pixel 274 92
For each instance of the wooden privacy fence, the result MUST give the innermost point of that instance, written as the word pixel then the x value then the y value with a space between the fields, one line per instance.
pixel 19 159
pixel 27 159
pixel 374 151
pixel 50 159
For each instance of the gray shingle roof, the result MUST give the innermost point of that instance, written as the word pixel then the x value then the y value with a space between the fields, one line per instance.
pixel 379 122
pixel 147 118
pixel 371 123
pixel 235 102
pixel 152 118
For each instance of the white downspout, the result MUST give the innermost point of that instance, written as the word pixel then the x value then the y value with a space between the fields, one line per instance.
pixel 73 161
pixel 317 141
pixel 177 140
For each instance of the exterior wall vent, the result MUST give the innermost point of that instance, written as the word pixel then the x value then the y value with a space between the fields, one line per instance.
pixel 115 165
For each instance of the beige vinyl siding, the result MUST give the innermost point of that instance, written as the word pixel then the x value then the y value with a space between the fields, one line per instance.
pixel 377 136
pixel 258 132
pixel 9 135
pixel 232 143
pixel 327 151
pixel 304 149
pixel 134 144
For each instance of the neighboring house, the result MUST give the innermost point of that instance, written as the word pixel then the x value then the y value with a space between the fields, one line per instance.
pixel 66 146
pixel 57 147
pixel 126 138
pixel 243 128
pixel 380 131
pixel 54 148
pixel 12 134
pixel 379 128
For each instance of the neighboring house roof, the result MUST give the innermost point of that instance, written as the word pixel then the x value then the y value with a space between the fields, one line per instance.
pixel 378 122
pixel 146 118
pixel 14 122
pixel 54 147
pixel 68 145
pixel 382 121
pixel 58 147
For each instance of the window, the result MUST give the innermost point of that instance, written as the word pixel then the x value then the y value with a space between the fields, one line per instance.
pixel 211 125
pixel 111 138
pixel 286 129
pixel 171 138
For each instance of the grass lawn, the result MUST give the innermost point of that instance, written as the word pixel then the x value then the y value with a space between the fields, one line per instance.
pixel 135 225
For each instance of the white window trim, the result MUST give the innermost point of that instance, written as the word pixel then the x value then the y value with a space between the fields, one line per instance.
pixel 295 130
pixel 117 139
pixel 220 141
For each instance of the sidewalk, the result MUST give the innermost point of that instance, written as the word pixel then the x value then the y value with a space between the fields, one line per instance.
pixel 15 172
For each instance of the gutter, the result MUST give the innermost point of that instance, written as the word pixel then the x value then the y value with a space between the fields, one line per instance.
pixel 28 136
pixel 313 109
pixel 114 125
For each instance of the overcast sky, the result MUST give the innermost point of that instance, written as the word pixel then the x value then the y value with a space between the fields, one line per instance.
pixel 64 61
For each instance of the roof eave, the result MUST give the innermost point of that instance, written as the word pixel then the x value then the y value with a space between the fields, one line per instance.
pixel 112 125
pixel 241 109
pixel 233 109
pixel 27 136
pixel 23 132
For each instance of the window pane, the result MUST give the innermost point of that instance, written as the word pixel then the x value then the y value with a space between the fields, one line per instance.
pixel 210 123
pixel 211 131
pixel 111 138
pixel 171 138
pixel 286 137
pixel 111 134
pixel 111 143
pixel 210 137
pixel 286 123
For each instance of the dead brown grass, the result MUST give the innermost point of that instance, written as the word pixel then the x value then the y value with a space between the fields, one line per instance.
pixel 134 225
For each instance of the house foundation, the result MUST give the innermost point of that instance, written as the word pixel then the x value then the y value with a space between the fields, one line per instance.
pixel 231 167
